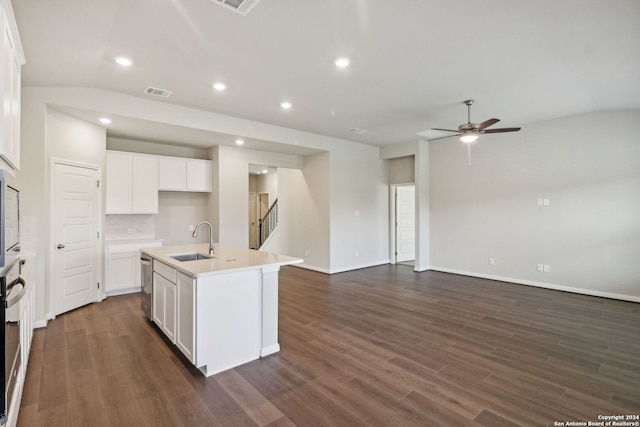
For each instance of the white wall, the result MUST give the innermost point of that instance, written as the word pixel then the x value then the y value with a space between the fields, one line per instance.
pixel 304 213
pixel 359 200
pixel 228 204
pixel 588 166
pixel 152 147
pixel 267 183
pixel 48 133
pixel 176 212
pixel 401 170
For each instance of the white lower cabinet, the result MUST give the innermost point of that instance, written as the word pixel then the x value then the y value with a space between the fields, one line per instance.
pixel 185 330
pixel 164 302
pixel 27 323
pixel 122 272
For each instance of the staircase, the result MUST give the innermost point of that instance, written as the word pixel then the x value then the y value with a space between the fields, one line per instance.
pixel 268 223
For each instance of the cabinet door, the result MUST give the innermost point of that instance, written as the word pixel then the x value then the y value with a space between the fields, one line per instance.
pixel 15 111
pixel 10 148
pixel 158 300
pixel 185 332
pixel 144 185
pixel 172 174
pixel 170 311
pixel 119 184
pixel 121 271
pixel 198 175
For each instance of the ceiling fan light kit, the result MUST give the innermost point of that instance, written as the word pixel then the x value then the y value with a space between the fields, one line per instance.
pixel 469 137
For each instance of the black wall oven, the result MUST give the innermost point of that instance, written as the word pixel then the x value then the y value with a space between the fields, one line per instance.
pixel 12 289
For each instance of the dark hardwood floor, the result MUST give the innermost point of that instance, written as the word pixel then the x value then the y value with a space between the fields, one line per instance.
pixel 382 346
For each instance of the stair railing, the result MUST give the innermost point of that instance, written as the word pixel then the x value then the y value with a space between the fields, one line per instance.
pixel 268 223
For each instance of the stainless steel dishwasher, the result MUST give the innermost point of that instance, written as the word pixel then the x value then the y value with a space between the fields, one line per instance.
pixel 146 271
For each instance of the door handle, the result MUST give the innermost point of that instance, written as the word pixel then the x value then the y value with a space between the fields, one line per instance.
pixel 60 246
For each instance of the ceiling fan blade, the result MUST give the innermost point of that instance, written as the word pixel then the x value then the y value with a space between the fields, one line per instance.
pixel 487 123
pixel 446 130
pixel 501 130
pixel 444 137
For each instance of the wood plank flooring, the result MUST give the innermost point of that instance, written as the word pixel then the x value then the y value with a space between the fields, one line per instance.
pixel 382 346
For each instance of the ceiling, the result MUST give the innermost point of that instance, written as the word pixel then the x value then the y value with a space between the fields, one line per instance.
pixel 413 62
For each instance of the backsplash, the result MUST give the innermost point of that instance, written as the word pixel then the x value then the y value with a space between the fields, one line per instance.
pixel 123 227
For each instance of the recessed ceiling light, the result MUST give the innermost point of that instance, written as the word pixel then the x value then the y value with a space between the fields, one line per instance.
pixel 125 62
pixel 239 141
pixel 286 105
pixel 219 86
pixel 264 171
pixel 104 120
pixel 342 62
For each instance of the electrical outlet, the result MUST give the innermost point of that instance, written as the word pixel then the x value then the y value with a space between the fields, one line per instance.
pixel 540 267
pixel 546 268
pixel 357 253
pixel 306 253
pixel 357 213
pixel 545 202
pixel 192 227
pixel 492 261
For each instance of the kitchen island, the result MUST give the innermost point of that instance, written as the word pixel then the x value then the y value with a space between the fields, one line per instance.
pixel 221 311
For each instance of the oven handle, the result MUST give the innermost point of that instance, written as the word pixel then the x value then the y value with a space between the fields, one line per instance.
pixel 14 300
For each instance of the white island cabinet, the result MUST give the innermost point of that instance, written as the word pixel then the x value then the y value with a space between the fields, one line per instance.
pixel 220 312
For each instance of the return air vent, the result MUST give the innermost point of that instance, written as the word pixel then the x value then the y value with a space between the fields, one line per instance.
pixel 241 6
pixel 157 92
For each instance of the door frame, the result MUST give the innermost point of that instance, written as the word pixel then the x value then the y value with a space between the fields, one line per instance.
pixel 50 282
pixel 392 219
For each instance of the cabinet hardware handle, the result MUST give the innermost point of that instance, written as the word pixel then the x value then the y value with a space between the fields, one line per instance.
pixel 60 246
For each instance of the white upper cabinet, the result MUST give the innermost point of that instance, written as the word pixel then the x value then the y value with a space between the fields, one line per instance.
pixel 11 61
pixel 182 174
pixel 198 175
pixel 132 183
pixel 145 184
pixel 172 174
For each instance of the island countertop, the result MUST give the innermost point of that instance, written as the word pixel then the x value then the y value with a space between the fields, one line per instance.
pixel 225 259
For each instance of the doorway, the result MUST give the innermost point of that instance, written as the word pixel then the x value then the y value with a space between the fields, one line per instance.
pixel 76 261
pixel 403 223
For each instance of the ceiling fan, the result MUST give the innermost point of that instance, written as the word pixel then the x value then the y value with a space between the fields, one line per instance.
pixel 468 132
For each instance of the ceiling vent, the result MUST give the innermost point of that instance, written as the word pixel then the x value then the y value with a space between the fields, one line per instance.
pixel 241 6
pixel 356 131
pixel 157 92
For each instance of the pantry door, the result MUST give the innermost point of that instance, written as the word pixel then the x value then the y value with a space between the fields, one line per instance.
pixel 77 253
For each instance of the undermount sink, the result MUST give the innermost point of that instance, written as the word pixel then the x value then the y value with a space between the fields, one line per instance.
pixel 194 256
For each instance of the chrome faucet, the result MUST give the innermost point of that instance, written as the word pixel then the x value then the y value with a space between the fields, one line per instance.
pixel 195 233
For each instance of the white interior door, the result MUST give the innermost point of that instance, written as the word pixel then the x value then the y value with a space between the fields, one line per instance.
pixel 405 223
pixel 76 224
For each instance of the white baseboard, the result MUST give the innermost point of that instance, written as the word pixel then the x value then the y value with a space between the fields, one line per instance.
pixel 341 270
pixel 123 291
pixel 555 287
pixel 271 349
pixel 358 267
pixel 312 268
